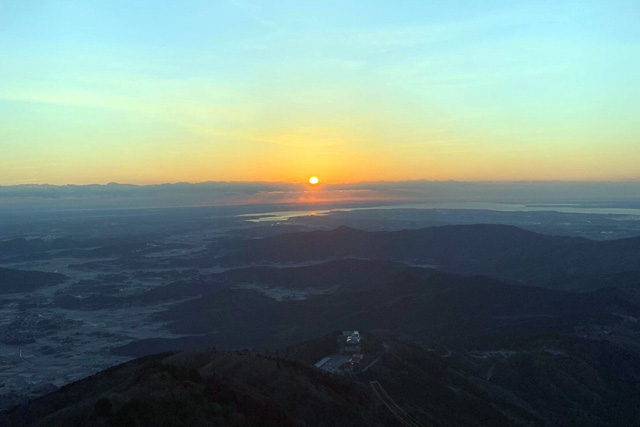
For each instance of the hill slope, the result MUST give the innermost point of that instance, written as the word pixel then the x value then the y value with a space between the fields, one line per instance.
pixel 13 281
pixel 421 303
pixel 550 381
pixel 505 252
pixel 201 389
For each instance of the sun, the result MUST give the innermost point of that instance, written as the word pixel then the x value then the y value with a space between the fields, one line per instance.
pixel 314 180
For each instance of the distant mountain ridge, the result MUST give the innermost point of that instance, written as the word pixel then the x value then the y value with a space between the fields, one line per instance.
pixel 424 304
pixel 505 252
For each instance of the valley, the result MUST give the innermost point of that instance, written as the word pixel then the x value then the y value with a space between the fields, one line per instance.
pixel 494 303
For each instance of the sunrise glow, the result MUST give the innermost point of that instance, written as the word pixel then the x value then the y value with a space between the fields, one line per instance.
pixel 265 91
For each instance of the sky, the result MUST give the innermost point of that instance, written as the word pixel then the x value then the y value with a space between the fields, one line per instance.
pixel 148 92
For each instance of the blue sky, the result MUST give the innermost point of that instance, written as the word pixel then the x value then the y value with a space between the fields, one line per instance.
pixel 160 91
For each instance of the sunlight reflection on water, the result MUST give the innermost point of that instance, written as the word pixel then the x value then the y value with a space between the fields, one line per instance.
pixel 505 207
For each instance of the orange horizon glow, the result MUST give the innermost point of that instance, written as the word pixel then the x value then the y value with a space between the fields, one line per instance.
pixel 414 91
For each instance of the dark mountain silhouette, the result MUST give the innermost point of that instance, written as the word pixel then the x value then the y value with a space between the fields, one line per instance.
pixel 12 281
pixel 423 304
pixel 203 389
pixel 452 346
pixel 488 353
pixel 505 252
pixel 344 274
pixel 554 380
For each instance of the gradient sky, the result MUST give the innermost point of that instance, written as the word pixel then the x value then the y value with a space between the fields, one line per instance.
pixel 166 91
